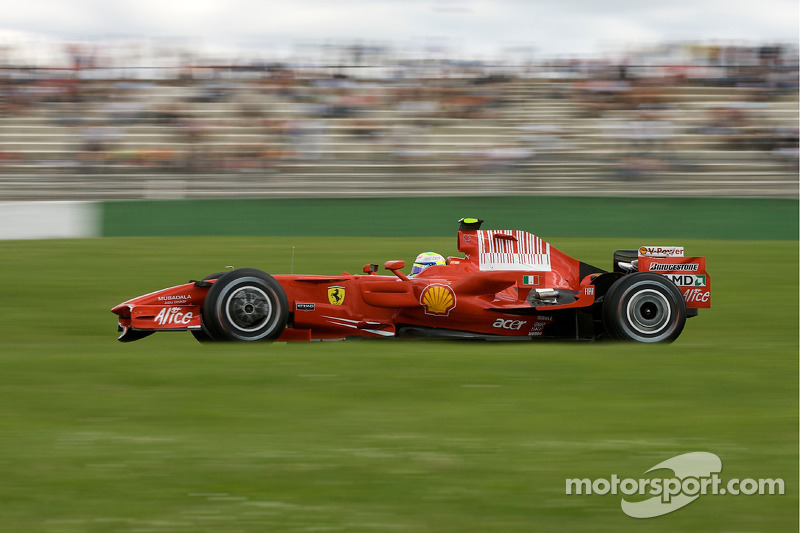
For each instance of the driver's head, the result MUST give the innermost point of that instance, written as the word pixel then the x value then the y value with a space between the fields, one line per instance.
pixel 426 259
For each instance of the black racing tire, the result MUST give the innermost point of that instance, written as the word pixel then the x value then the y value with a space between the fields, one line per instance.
pixel 203 335
pixel 245 305
pixel 626 256
pixel 644 307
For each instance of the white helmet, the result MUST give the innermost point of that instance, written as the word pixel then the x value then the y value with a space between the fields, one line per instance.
pixel 426 259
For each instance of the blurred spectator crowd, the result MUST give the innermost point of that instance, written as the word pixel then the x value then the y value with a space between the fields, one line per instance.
pixel 683 108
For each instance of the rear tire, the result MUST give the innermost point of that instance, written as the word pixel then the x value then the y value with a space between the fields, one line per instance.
pixel 644 307
pixel 245 305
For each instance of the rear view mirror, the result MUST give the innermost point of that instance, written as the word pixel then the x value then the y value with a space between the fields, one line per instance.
pixel 395 267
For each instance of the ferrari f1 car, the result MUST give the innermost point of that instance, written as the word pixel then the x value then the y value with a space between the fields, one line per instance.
pixel 507 284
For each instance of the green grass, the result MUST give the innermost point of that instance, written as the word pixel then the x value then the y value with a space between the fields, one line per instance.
pixel 167 435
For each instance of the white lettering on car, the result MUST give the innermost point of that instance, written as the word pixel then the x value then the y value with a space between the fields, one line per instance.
pixel 696 295
pixel 667 267
pixel 175 297
pixel 173 315
pixel 511 324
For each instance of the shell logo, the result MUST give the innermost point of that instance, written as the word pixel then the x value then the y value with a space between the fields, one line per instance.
pixel 438 300
pixel 642 251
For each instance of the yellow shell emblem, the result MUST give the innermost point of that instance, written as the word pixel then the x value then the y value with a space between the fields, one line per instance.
pixel 438 300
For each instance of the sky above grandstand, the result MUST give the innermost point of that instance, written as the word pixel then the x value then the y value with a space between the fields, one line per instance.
pixel 544 27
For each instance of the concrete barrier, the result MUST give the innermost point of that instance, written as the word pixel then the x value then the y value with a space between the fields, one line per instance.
pixel 666 218
pixel 49 220
pixel 641 218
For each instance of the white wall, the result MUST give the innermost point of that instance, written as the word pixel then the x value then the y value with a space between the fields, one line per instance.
pixel 49 220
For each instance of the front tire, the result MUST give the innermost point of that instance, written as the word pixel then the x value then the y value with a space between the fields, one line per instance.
pixel 245 305
pixel 644 307
pixel 203 335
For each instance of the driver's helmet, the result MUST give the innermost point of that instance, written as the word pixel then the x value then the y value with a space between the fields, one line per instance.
pixel 426 259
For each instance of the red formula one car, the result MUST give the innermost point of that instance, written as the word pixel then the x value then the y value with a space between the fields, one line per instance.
pixel 507 285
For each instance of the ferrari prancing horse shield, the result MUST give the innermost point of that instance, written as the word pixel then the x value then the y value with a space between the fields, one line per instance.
pixel 336 295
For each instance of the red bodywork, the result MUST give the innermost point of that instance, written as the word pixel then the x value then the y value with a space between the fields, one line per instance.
pixel 487 292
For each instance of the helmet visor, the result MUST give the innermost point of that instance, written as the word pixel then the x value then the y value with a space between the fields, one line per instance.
pixel 420 266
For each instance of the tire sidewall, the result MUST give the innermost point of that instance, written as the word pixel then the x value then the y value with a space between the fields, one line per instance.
pixel 217 318
pixel 203 334
pixel 626 292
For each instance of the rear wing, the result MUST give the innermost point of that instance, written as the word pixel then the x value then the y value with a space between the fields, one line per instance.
pixel 688 273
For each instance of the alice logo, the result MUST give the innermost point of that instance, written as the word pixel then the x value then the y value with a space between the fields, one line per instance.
pixel 438 300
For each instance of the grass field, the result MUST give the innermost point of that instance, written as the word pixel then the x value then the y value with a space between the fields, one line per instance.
pixel 167 435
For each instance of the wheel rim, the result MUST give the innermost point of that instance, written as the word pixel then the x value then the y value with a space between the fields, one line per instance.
pixel 248 308
pixel 649 312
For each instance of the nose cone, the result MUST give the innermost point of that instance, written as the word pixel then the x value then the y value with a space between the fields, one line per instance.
pixel 121 309
pixel 187 294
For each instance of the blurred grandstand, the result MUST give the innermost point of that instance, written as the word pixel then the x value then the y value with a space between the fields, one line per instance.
pixel 683 119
